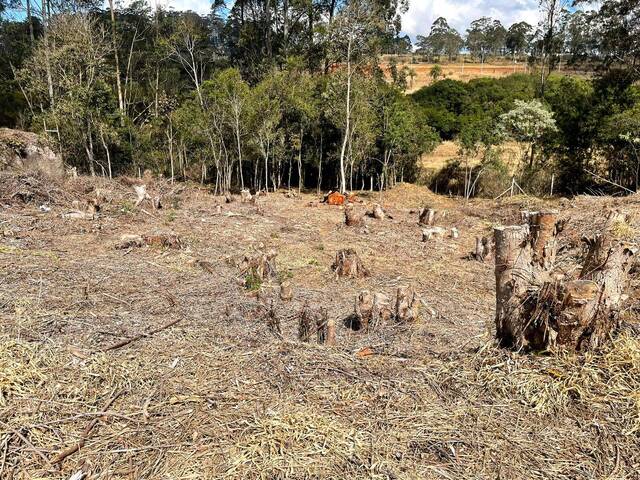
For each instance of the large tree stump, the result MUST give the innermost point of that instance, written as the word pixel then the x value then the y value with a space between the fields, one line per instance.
pixel 261 266
pixel 432 232
pixel 484 249
pixel 537 309
pixel 348 264
pixel 377 212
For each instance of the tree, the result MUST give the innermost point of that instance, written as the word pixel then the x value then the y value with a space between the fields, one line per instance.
pixel 442 40
pixel 551 43
pixel 353 34
pixel 479 41
pixel 69 78
pixel 517 38
pixel 527 122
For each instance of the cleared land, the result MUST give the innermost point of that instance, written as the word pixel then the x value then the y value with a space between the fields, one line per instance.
pixel 457 71
pixel 218 395
pixel 510 153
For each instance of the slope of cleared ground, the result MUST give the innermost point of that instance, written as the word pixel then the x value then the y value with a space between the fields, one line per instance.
pixel 217 395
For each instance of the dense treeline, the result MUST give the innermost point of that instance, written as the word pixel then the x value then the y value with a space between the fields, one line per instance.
pixel 271 94
pixel 265 95
pixel 593 129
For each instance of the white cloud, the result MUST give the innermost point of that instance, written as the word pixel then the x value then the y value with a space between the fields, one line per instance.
pixel 422 13
pixel 460 13
pixel 202 7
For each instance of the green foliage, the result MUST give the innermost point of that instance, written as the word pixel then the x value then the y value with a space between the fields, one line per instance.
pixel 436 72
pixel 526 122
pixel 252 281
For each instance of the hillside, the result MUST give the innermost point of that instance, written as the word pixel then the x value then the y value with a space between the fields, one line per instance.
pixel 159 360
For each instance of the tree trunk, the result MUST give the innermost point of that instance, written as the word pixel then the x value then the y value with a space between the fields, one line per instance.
pixel 536 308
pixel 114 42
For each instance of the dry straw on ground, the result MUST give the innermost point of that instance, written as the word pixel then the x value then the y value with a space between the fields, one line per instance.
pixel 218 395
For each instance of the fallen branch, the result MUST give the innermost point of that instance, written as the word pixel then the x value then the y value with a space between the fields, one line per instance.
pixel 85 435
pixel 127 341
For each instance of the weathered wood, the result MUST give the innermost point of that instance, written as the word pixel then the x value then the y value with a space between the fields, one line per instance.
pixel 348 264
pixel 273 322
pixel 286 292
pixel 370 309
pixel 427 216
pixel 261 265
pixel 377 212
pixel 245 196
pixel 353 218
pixel 484 249
pixel 431 233
pixel 407 305
pixel 514 275
pixel 539 309
pixel 310 321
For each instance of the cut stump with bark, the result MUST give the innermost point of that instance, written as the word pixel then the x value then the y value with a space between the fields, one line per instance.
pixel 348 264
pixel 537 308
pixel 259 266
pixel 407 305
pixel 369 310
pixel 427 217
pixel 353 218
pixel 484 249
pixel 377 212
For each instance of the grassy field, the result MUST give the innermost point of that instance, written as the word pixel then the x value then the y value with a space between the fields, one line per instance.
pixel 457 71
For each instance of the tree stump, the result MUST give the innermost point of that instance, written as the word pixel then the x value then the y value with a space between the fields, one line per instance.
pixel 323 329
pixel 537 309
pixel 377 212
pixel 273 322
pixel 427 216
pixel 286 292
pixel 433 232
pixel 310 322
pixel 352 218
pixel 370 309
pixel 484 249
pixel 245 196
pixel 348 264
pixel 407 305
pixel 261 266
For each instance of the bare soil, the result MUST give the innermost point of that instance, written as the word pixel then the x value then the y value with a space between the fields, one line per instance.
pixel 218 395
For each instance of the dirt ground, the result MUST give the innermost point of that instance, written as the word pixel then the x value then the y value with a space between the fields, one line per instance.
pixel 217 395
pixel 457 71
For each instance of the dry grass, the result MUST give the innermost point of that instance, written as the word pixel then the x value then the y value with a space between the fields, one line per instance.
pixel 509 152
pixel 456 71
pixel 217 395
